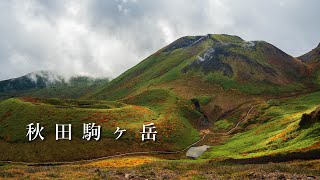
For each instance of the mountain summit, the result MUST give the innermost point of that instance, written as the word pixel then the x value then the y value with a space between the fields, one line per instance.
pixel 312 57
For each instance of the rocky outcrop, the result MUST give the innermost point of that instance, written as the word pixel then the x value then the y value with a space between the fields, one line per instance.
pixel 310 119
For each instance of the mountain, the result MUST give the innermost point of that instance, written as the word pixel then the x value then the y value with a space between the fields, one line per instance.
pixel 253 67
pixel 49 84
pixel 226 70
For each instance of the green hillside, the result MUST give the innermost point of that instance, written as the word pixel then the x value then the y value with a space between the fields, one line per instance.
pixel 170 114
pixel 274 128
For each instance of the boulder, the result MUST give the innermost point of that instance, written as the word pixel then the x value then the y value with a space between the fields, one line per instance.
pixel 195 152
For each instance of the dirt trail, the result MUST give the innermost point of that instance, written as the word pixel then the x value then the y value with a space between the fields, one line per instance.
pixel 217 138
pixel 239 122
pixel 248 113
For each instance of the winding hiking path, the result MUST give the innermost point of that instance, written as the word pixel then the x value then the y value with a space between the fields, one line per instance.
pixel 239 122
pixel 248 113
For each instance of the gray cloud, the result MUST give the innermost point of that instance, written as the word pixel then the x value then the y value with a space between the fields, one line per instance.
pixel 106 37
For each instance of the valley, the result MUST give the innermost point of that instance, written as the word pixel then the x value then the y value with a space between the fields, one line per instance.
pixel 248 100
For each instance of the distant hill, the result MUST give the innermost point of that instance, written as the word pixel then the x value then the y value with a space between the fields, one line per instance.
pixel 39 79
pixel 49 84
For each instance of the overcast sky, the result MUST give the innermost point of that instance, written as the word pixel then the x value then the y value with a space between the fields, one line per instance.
pixel 106 37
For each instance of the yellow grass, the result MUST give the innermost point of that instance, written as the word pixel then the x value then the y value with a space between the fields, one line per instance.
pixel 123 162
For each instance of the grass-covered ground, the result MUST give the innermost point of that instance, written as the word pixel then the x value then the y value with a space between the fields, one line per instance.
pixel 272 128
pixel 170 114
pixel 153 168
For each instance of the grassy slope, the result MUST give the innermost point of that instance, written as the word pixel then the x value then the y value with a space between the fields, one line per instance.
pixel 174 130
pixel 159 68
pixel 277 131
